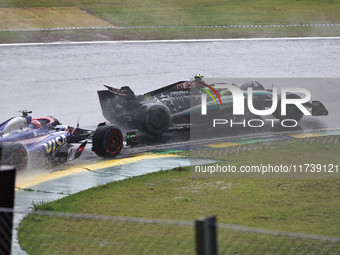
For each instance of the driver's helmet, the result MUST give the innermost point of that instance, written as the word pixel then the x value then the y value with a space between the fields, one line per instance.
pixel 35 124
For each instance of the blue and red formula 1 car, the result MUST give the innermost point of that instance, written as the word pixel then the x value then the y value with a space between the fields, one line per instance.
pixel 45 139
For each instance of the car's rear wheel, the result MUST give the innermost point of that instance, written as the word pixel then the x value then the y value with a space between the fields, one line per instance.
pixel 157 119
pixel 15 154
pixel 107 141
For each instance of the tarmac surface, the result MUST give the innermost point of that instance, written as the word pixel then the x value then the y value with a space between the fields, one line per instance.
pixel 61 79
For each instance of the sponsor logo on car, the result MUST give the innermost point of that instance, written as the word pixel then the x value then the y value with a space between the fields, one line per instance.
pixel 55 143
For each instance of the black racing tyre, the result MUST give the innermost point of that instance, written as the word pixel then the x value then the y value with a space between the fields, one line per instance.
pixel 292 111
pixel 157 119
pixel 15 154
pixel 107 141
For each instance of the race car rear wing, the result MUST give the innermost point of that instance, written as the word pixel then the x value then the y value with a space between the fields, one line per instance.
pixel 166 90
pixel 108 102
pixel 123 91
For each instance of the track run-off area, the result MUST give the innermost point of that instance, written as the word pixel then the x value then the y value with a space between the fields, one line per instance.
pixel 111 166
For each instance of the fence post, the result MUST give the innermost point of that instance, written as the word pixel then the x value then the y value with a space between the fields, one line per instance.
pixel 7 185
pixel 206 236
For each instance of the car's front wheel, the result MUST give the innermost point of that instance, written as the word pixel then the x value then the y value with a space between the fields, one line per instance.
pixel 15 154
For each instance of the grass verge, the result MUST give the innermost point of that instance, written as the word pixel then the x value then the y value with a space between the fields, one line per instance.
pixel 41 17
pixel 184 13
pixel 309 206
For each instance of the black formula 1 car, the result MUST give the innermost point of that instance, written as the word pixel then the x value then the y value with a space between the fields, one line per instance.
pixel 44 140
pixel 155 111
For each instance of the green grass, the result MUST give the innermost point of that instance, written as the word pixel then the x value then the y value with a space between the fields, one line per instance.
pixel 188 13
pixel 310 206
pixel 197 12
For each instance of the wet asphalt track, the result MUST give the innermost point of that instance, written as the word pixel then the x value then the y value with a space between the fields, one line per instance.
pixel 62 79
